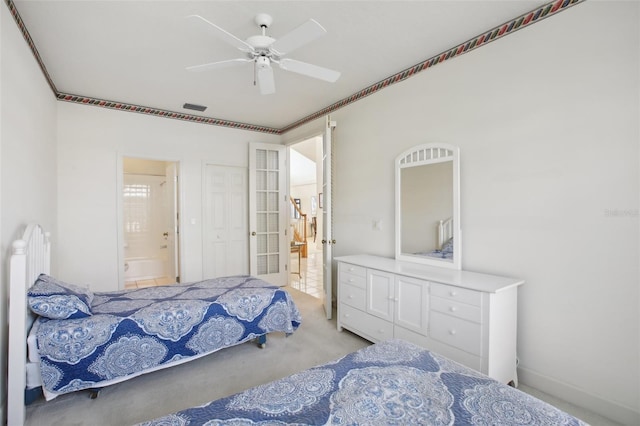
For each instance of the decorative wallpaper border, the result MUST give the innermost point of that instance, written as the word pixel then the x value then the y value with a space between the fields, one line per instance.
pixel 493 34
pixel 122 106
pixel 30 43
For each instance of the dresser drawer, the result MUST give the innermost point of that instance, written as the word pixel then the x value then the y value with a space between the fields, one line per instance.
pixel 353 296
pixel 456 332
pixel 456 309
pixel 470 297
pixel 364 324
pixel 352 275
pixel 353 280
pixel 353 269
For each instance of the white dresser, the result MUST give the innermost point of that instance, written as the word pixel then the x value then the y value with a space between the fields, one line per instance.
pixel 466 316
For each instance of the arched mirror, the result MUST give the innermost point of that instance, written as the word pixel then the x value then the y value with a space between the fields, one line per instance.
pixel 428 205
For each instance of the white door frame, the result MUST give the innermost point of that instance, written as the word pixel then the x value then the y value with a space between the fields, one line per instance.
pixel 119 213
pixel 326 218
pixel 173 244
pixel 327 226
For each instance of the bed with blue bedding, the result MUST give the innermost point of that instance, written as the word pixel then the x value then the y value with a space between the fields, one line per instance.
pixel 445 252
pixel 390 383
pixel 90 340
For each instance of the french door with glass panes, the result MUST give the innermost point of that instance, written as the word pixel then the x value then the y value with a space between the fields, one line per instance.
pixel 268 242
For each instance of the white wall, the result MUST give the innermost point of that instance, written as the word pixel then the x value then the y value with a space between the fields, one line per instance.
pixel 27 145
pixel 90 142
pixel 547 121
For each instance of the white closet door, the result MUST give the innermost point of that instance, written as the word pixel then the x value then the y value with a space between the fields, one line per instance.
pixel 225 227
pixel 268 204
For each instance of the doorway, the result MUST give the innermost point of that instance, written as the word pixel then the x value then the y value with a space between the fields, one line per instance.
pixel 305 221
pixel 151 250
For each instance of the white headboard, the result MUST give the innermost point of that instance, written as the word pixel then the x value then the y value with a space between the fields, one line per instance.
pixel 444 231
pixel 31 257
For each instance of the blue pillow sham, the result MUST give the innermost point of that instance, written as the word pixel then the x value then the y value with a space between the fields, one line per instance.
pixel 56 299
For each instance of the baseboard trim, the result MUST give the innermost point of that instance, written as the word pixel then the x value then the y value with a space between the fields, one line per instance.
pixel 573 395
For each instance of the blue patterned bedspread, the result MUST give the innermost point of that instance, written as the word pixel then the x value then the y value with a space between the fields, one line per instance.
pixel 389 383
pixel 141 330
pixel 439 254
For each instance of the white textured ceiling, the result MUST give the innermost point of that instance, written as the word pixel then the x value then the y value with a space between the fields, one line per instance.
pixel 136 51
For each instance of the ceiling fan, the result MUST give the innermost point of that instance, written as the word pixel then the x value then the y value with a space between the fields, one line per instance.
pixel 264 51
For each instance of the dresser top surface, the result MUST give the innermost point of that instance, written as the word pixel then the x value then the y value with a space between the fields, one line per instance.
pixel 465 279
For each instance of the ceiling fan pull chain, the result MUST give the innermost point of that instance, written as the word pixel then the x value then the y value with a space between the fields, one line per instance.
pixel 255 72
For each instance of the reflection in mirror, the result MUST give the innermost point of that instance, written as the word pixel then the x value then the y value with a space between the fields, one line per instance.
pixel 427 206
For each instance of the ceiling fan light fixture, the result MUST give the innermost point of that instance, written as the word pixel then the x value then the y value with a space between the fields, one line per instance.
pixel 263 62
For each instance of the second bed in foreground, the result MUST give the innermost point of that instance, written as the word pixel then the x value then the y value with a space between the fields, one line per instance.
pixel 390 383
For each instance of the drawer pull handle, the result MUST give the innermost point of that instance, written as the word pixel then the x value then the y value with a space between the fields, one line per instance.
pixel 452 332
pixel 350 280
pixel 453 309
pixel 350 297
pixel 381 331
pixel 347 315
pixel 453 293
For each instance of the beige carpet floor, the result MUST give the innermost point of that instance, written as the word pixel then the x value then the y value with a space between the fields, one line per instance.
pixel 223 373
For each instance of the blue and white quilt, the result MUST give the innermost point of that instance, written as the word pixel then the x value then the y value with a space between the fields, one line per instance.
pixel 135 331
pixel 389 383
pixel 445 252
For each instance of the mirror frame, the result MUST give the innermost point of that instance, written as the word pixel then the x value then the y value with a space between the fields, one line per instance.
pixel 420 155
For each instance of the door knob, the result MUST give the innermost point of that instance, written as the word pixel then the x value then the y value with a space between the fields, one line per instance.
pixel 166 234
pixel 324 241
pixel 253 234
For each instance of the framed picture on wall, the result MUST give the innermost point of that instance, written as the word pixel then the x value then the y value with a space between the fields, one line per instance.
pixel 320 203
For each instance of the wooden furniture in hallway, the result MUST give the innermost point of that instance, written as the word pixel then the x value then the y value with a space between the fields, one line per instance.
pixel 299 230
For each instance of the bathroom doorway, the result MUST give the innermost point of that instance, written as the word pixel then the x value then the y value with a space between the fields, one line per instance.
pixel 151 249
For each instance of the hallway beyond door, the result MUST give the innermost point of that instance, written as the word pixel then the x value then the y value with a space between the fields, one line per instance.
pixel 310 278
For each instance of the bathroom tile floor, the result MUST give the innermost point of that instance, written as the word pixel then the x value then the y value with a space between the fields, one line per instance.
pixel 148 283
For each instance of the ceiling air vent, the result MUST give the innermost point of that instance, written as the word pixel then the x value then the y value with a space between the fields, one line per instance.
pixel 194 107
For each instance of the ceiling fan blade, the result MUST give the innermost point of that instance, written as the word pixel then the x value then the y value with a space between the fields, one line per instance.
pixel 218 65
pixel 298 37
pixel 225 35
pixel 309 69
pixel 266 81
